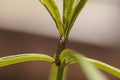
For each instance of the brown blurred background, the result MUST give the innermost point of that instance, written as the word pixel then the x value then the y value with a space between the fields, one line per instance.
pixel 12 42
pixel 25 26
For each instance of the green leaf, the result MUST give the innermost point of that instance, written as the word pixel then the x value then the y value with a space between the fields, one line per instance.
pixel 108 68
pixel 71 10
pixel 90 70
pixel 52 8
pixel 53 72
pixel 9 60
pixel 67 12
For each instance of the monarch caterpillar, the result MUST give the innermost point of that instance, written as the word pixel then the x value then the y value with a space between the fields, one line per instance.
pixel 61 46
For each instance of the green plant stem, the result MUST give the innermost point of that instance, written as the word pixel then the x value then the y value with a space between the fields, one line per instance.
pixel 60 72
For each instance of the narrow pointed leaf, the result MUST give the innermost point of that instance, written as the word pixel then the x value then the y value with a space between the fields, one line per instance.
pixel 90 70
pixel 67 12
pixel 13 59
pixel 71 8
pixel 52 8
pixel 53 72
pixel 77 8
pixel 108 68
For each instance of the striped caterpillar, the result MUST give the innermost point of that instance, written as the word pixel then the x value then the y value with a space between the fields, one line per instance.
pixel 61 46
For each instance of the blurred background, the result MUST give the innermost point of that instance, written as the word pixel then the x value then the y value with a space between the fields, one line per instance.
pixel 26 26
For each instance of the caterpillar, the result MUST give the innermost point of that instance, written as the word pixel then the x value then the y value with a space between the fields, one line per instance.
pixel 61 46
